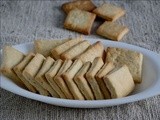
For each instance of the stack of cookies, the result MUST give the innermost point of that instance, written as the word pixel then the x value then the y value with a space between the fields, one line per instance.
pixel 74 69
pixel 81 15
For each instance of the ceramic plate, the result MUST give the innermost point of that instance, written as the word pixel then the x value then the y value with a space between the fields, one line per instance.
pixel 149 87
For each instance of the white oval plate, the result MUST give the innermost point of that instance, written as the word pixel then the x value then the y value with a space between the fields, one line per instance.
pixel 149 87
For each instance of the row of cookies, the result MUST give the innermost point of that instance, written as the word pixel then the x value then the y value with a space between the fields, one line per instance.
pixel 82 49
pixel 30 71
pixel 73 48
pixel 69 79
pixel 81 15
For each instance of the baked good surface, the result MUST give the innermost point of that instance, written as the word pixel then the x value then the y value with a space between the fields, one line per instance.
pixel 80 21
pixel 132 59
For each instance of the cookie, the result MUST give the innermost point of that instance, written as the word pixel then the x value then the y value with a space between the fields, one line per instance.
pixel 11 58
pixel 86 5
pixel 107 67
pixel 112 30
pixel 132 59
pixel 68 78
pixel 79 21
pixel 120 82
pixel 75 50
pixel 95 50
pixel 40 77
pixel 60 81
pixel 57 51
pixel 50 77
pixel 32 69
pixel 82 83
pixel 109 12
pixel 18 69
pixel 90 75
pixel 44 47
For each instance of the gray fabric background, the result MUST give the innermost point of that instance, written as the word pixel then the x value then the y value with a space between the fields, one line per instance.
pixel 24 21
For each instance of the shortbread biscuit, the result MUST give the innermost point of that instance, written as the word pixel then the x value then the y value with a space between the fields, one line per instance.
pixel 120 83
pixel 109 12
pixel 11 57
pixel 112 30
pixel 107 67
pixel 68 77
pixel 50 77
pixel 82 83
pixel 75 50
pixel 95 50
pixel 40 77
pixel 79 21
pixel 90 75
pixel 32 69
pixel 18 69
pixel 57 51
pixel 132 59
pixel 59 80
pixel 86 5
pixel 44 47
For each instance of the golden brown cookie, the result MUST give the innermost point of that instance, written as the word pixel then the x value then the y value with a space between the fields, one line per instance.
pixel 32 69
pixel 112 30
pixel 40 77
pixel 109 12
pixel 82 83
pixel 44 47
pixel 86 5
pixel 90 75
pixel 18 69
pixel 57 51
pixel 50 77
pixel 75 50
pixel 79 21
pixel 11 57
pixel 95 50
pixel 60 81
pixel 120 82
pixel 68 78
pixel 107 67
pixel 132 59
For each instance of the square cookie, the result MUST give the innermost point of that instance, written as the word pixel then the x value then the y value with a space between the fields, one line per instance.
pixel 132 59
pixel 80 21
pixel 86 5
pixel 112 30
pixel 109 12
pixel 120 82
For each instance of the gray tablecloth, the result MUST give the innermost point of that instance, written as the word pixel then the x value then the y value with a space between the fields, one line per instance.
pixel 24 21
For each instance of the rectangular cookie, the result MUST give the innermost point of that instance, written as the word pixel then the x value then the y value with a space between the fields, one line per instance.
pixel 68 78
pixel 32 69
pixel 86 5
pixel 50 77
pixel 95 50
pixel 132 59
pixel 90 75
pixel 44 47
pixel 60 81
pixel 18 69
pixel 40 77
pixel 107 67
pixel 79 21
pixel 109 12
pixel 11 57
pixel 75 50
pixel 112 30
pixel 57 51
pixel 82 83
pixel 120 82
